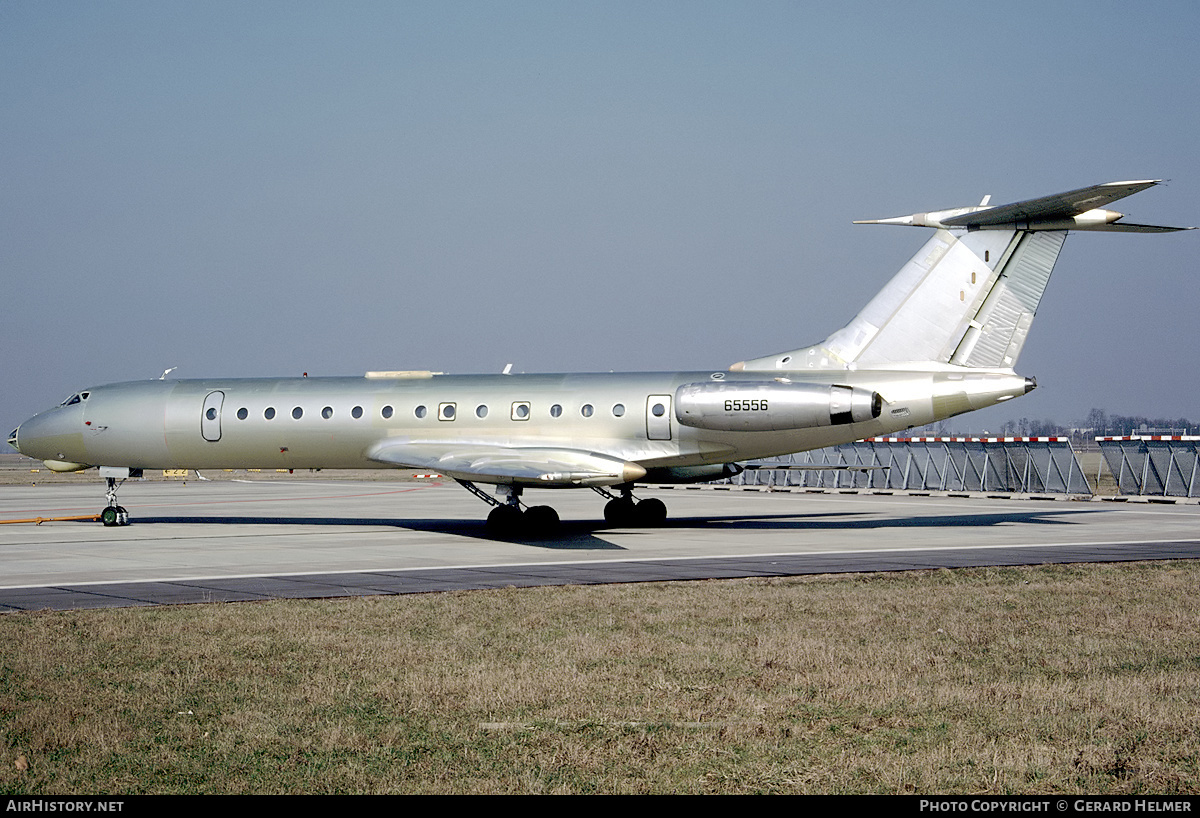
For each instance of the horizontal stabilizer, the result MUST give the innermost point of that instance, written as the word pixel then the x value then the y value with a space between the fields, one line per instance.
pixel 1074 210
pixel 1052 208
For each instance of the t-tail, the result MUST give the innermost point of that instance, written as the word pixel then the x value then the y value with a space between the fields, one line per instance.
pixel 968 297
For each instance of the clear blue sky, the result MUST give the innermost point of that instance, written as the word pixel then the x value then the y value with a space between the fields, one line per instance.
pixel 269 188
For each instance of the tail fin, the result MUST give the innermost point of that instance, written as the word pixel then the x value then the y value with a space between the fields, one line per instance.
pixel 968 297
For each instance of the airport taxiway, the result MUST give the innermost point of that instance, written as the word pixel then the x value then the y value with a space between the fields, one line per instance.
pixel 199 541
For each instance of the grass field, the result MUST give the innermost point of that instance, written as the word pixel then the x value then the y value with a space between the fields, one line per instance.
pixel 1008 680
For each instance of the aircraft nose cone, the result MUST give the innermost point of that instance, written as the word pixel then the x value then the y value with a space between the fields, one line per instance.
pixel 51 435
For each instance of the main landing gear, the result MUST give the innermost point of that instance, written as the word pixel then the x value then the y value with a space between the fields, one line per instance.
pixel 625 512
pixel 507 518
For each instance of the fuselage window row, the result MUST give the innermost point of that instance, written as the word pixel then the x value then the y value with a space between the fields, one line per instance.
pixel 522 410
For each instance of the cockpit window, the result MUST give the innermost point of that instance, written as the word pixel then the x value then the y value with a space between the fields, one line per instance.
pixel 76 398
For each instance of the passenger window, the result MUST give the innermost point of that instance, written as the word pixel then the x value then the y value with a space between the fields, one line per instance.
pixel 242 413
pixel 420 411
pixel 211 414
pixel 555 410
pixel 586 410
pixel 619 410
pixel 386 412
pixel 658 410
pixel 446 411
pixel 520 410
pixel 297 413
pixel 356 412
pixel 269 414
pixel 481 411
pixel 327 412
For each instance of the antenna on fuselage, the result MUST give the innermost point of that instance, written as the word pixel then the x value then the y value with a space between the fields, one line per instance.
pixel 507 369
pixel 167 372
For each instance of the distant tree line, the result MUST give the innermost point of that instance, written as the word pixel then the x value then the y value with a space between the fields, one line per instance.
pixel 1103 424
pixel 1098 423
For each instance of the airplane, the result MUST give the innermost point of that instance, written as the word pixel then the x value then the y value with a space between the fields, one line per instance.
pixel 940 339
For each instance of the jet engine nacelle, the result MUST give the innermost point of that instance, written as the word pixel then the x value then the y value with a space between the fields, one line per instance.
pixel 772 406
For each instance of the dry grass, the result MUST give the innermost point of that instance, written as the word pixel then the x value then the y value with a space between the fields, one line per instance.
pixel 1051 679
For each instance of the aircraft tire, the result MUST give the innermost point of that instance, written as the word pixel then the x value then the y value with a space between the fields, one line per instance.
pixel 620 512
pixel 504 520
pixel 651 512
pixel 540 519
pixel 110 516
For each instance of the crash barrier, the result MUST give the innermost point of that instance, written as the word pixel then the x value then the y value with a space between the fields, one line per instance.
pixel 1016 464
pixel 1153 464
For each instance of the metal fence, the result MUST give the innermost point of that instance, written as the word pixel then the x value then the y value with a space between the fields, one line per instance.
pixel 1014 464
pixel 1162 465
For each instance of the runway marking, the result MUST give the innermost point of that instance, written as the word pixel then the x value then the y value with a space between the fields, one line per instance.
pixel 556 563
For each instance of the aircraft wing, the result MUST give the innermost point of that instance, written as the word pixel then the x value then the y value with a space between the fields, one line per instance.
pixel 492 463
pixel 1061 206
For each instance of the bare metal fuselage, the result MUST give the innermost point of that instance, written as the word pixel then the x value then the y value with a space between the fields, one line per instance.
pixel 337 423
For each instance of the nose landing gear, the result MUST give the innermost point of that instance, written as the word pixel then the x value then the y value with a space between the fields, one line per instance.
pixel 113 514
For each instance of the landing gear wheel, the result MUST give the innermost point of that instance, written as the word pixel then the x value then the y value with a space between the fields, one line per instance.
pixel 620 512
pixel 504 519
pixel 540 519
pixel 651 512
pixel 114 515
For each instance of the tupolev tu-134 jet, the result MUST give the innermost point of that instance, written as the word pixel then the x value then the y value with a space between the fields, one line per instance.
pixel 941 338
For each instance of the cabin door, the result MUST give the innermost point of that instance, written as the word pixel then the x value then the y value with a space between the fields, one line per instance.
pixel 210 416
pixel 658 417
